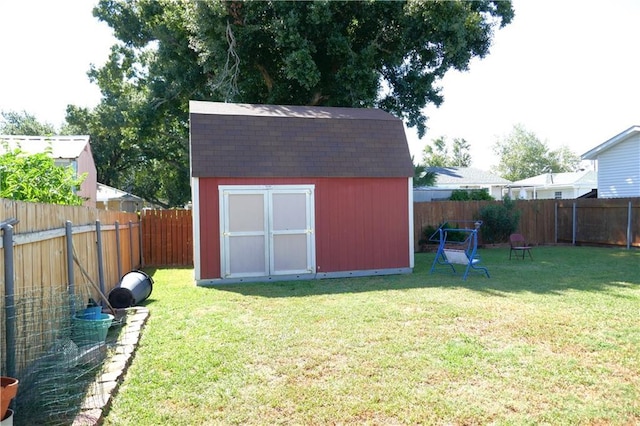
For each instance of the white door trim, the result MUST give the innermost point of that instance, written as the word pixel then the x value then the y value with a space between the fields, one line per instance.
pixel 269 233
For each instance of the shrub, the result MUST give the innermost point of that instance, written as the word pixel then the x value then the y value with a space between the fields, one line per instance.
pixel 427 232
pixel 499 221
pixel 430 230
pixel 36 178
pixel 470 195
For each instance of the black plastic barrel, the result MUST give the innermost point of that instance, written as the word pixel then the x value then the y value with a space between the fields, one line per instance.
pixel 134 288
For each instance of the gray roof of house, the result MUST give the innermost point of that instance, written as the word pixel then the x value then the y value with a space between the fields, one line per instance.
pixel 242 140
pixel 466 175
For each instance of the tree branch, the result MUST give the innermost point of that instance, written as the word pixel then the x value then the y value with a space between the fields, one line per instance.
pixel 265 76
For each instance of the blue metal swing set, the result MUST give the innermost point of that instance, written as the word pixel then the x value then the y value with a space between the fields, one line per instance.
pixel 458 252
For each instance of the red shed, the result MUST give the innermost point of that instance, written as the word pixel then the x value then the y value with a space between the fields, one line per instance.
pixel 296 192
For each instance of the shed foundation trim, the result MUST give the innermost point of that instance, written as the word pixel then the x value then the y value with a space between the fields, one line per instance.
pixel 300 277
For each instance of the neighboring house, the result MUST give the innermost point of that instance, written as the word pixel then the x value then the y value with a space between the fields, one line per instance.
pixel 618 164
pixel 450 178
pixel 296 192
pixel 109 198
pixel 554 186
pixel 74 151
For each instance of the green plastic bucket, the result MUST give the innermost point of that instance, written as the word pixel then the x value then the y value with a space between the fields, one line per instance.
pixel 90 313
pixel 88 331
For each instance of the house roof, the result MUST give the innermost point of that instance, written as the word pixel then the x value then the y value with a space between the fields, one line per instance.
pixel 240 140
pixel 106 193
pixel 583 178
pixel 466 176
pixel 67 147
pixel 621 137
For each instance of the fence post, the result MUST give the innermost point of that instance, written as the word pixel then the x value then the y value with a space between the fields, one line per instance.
pixel 68 230
pixel 141 255
pixel 118 254
pixel 9 294
pixel 556 222
pixel 100 268
pixel 629 227
pixel 132 266
pixel 575 226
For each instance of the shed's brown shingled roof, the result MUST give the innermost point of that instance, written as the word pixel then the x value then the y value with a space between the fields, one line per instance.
pixel 242 140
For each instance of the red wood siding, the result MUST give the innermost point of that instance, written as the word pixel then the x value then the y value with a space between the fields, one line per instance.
pixel 361 223
pixel 209 229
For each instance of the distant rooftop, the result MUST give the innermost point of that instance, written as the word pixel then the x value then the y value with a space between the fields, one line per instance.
pixel 466 175
pixel 586 177
pixel 67 147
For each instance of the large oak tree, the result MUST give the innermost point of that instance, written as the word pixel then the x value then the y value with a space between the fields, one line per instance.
pixel 389 55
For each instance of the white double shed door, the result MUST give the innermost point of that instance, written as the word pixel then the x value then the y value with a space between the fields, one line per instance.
pixel 267 230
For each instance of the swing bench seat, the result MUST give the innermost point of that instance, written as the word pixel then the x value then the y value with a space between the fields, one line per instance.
pixel 461 257
pixel 458 252
pixel 458 256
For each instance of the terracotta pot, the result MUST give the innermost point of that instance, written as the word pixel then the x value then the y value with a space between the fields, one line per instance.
pixel 8 391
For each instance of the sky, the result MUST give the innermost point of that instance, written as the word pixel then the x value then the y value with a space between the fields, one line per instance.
pixel 566 70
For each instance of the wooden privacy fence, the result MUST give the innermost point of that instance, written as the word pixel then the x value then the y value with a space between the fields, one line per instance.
pixel 42 271
pixel 581 221
pixel 167 237
pixel 605 221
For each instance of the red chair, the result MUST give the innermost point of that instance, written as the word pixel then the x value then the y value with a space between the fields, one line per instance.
pixel 519 244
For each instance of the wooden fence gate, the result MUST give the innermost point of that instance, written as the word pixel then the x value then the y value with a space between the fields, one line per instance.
pixel 167 237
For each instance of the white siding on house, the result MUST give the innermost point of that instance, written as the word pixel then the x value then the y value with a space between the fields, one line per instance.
pixel 566 193
pixel 566 185
pixel 619 170
pixel 550 194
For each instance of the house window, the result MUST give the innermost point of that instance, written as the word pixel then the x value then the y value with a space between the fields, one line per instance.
pixel 558 195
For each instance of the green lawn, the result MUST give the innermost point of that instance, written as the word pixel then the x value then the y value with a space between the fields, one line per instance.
pixel 554 341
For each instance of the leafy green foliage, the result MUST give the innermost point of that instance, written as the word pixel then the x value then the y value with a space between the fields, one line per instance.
pixel 470 195
pixel 459 195
pixel 430 233
pixel 498 221
pixel 341 53
pixel 422 176
pixel 453 235
pixel 437 154
pixel 36 178
pixel 23 123
pixel 523 155
pixel 427 234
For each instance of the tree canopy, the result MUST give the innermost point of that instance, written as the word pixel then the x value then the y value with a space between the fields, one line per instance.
pixel 389 55
pixel 422 176
pixel 437 153
pixel 23 123
pixel 522 155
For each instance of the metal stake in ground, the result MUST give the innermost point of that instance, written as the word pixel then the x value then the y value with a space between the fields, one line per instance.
pixel 93 284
